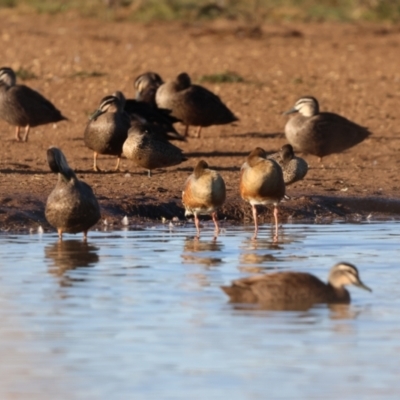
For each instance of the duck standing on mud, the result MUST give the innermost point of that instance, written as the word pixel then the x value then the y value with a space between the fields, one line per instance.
pixel 107 130
pixel 193 104
pixel 321 133
pixel 22 106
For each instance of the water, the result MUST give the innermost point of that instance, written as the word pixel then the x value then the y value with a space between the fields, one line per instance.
pixel 138 314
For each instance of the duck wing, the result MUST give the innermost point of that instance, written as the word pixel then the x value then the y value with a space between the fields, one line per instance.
pixel 38 109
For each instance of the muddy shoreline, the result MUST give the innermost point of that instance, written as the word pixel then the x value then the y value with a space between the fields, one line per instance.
pixel 314 209
pixel 352 69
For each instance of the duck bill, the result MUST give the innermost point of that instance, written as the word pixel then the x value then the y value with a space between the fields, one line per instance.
pixel 362 286
pixel 95 115
pixel 291 111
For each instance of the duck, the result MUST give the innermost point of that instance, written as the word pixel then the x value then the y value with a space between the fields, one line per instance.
pixel 294 168
pixel 147 114
pixel 261 182
pixel 149 150
pixel 72 206
pixel 146 86
pixel 193 104
pixel 296 290
pixel 204 192
pixel 22 106
pixel 107 130
pixel 321 133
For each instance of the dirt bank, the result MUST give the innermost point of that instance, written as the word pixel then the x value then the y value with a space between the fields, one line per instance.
pixel 351 69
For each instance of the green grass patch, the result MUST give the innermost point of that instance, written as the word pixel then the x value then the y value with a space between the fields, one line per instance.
pixel 8 3
pixel 87 74
pixel 223 77
pixel 25 74
pixel 244 10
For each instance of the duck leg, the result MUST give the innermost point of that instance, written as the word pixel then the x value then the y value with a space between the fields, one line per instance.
pixel 117 166
pixel 25 138
pixel 254 209
pixel 198 131
pixel 276 220
pixel 17 129
pixel 149 173
pixel 197 223
pixel 214 217
pixel 59 230
pixel 95 167
pixel 186 134
pixel 85 236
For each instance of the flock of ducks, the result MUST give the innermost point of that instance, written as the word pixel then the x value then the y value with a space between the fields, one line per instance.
pixel 141 129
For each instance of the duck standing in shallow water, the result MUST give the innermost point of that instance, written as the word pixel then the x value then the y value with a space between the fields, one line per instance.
pixel 204 193
pixel 22 106
pixel 295 290
pixel 72 206
pixel 193 104
pixel 294 168
pixel 107 130
pixel 261 182
pixel 321 133
pixel 150 150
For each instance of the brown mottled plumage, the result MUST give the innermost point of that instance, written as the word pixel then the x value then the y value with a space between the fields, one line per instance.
pixel 295 290
pixel 193 104
pixel 321 133
pixel 107 130
pixel 261 182
pixel 72 206
pixel 294 168
pixel 203 193
pixel 22 106
pixel 149 150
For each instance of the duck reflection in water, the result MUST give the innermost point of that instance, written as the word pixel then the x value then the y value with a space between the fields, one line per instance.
pixel 70 254
pixel 305 314
pixel 262 244
pixel 196 251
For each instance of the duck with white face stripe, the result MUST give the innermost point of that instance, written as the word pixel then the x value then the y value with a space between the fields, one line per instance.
pixel 107 130
pixel 321 133
pixel 146 86
pixel 296 290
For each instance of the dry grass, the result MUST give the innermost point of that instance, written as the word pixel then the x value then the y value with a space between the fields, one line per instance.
pixel 193 10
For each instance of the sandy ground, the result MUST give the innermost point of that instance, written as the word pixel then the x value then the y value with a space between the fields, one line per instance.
pixel 352 70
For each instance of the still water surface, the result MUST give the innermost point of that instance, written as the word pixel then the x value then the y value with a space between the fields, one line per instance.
pixel 138 314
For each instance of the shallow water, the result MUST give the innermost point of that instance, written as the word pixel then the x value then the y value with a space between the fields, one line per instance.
pixel 138 314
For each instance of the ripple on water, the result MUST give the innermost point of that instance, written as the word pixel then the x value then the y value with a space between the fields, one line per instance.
pixel 139 313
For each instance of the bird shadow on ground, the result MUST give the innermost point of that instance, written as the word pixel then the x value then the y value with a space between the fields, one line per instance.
pixel 261 135
pixel 375 137
pixel 231 168
pixel 23 170
pixel 218 154
pixel 102 172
